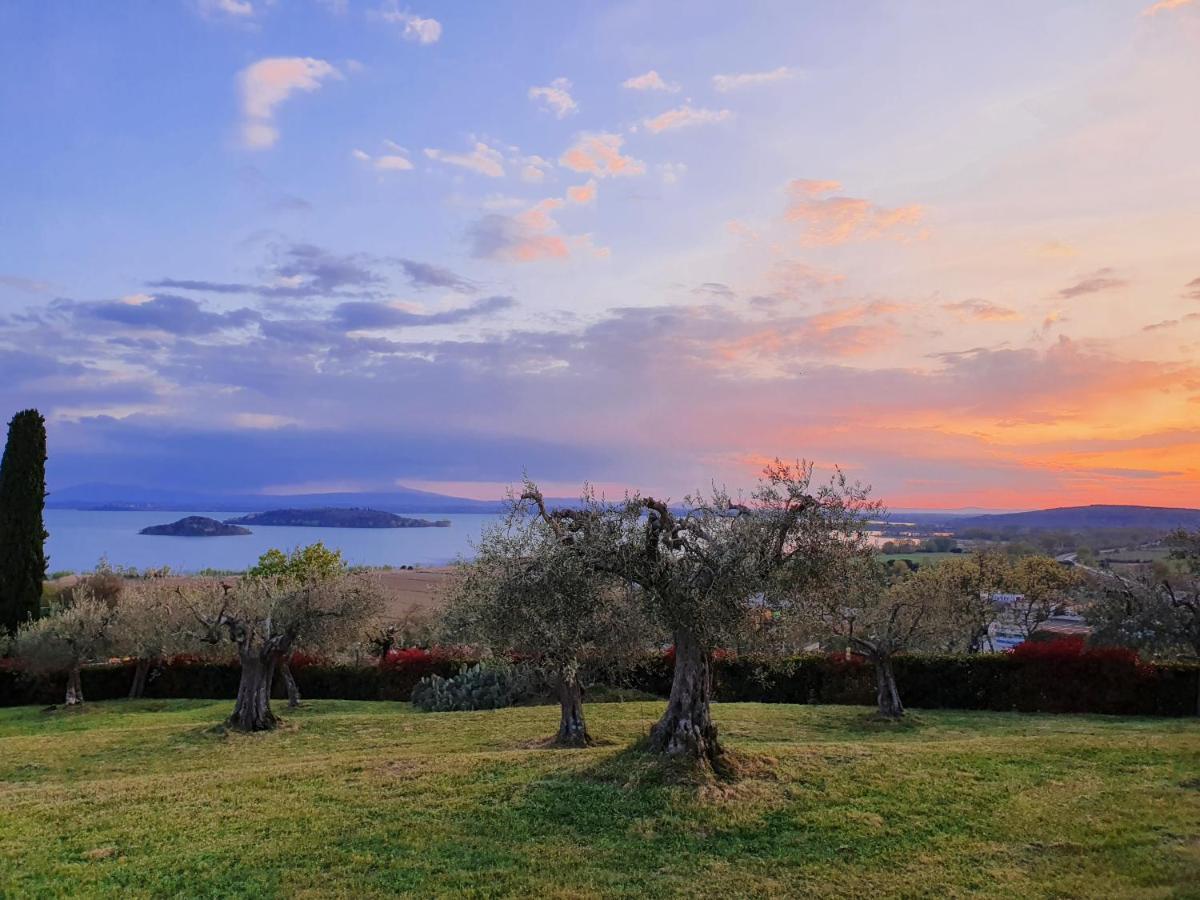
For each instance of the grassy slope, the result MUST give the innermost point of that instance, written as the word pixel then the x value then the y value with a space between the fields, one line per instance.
pixel 141 798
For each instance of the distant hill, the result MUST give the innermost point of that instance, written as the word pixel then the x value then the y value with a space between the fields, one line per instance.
pixel 334 517
pixel 1082 518
pixel 129 497
pixel 196 526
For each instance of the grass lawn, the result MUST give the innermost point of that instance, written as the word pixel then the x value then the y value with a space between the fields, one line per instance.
pixel 143 798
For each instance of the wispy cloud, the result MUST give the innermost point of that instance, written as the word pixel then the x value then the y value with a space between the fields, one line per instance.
pixel 838 219
pixel 650 81
pixel 358 316
pixel 726 83
pixel 555 97
pixel 26 285
pixel 229 9
pixel 395 161
pixel 422 274
pixel 686 116
pixel 415 28
pixel 267 83
pixel 482 159
pixel 534 168
pixel 1100 280
pixel 981 310
pixel 1192 289
pixel 600 155
pixel 297 272
pixel 534 235
pixel 161 312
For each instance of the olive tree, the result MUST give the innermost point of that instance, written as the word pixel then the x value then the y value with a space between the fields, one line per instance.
pixel 67 638
pixel 707 571
pixel 528 593
pixel 302 563
pixel 264 619
pixel 153 618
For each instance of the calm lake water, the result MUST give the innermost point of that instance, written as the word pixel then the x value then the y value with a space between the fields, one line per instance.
pixel 78 538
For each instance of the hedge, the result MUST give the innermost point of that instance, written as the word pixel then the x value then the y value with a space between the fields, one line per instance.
pixel 1057 677
pixel 1062 676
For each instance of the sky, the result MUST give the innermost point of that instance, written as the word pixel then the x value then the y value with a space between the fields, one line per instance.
pixel 308 245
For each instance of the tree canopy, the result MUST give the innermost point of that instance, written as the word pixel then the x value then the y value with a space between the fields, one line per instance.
pixel 22 532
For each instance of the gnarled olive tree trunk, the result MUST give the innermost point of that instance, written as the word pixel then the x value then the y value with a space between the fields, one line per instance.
pixel 74 687
pixel 252 712
pixel 885 684
pixel 686 728
pixel 140 671
pixel 572 728
pixel 293 691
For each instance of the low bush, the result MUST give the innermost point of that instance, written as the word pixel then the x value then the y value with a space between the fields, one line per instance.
pixel 480 686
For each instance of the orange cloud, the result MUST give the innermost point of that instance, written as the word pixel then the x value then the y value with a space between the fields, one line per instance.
pixel 582 193
pixel 686 116
pixel 838 220
pixel 600 155
pixel 1164 5
pixel 847 332
pixel 981 310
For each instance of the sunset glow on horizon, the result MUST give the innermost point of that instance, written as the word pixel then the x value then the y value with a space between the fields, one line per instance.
pixel 951 248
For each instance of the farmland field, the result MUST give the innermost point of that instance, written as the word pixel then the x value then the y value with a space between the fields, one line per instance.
pixel 146 798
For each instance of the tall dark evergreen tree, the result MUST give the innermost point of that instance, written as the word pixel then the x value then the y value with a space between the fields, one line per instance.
pixel 22 533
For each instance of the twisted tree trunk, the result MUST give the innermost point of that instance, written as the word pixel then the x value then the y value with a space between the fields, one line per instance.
pixel 293 691
pixel 74 686
pixel 140 671
pixel 572 729
pixel 885 682
pixel 686 728
pixel 252 712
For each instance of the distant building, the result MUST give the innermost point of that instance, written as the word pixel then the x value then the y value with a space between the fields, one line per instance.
pixel 1065 625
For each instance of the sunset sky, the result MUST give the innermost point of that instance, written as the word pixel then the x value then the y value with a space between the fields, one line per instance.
pixel 296 245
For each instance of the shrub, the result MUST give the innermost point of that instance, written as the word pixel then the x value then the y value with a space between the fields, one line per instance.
pixel 476 687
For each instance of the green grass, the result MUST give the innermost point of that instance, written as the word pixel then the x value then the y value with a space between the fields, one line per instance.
pixel 145 798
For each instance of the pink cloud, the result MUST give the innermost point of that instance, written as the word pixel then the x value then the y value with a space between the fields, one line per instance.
pixel 981 310
pixel 686 116
pixel 555 97
pixel 650 81
pixel 534 235
pixel 482 159
pixel 837 220
pixel 600 155
pixel 267 83
pixel 1164 5
pixel 582 193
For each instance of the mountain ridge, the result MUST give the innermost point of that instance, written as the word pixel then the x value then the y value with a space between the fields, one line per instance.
pixel 1095 515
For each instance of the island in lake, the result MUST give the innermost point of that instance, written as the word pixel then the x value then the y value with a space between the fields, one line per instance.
pixel 335 517
pixel 196 526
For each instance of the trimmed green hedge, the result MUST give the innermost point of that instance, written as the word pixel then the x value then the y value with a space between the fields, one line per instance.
pixel 220 681
pixel 1091 683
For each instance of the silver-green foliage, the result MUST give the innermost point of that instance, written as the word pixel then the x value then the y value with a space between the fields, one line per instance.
pixel 477 687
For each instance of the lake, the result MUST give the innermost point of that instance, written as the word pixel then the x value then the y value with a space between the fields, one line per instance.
pixel 78 538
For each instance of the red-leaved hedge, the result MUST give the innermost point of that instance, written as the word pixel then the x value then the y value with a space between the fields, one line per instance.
pixel 1057 676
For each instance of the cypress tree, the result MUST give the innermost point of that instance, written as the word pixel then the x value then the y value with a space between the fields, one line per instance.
pixel 22 533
